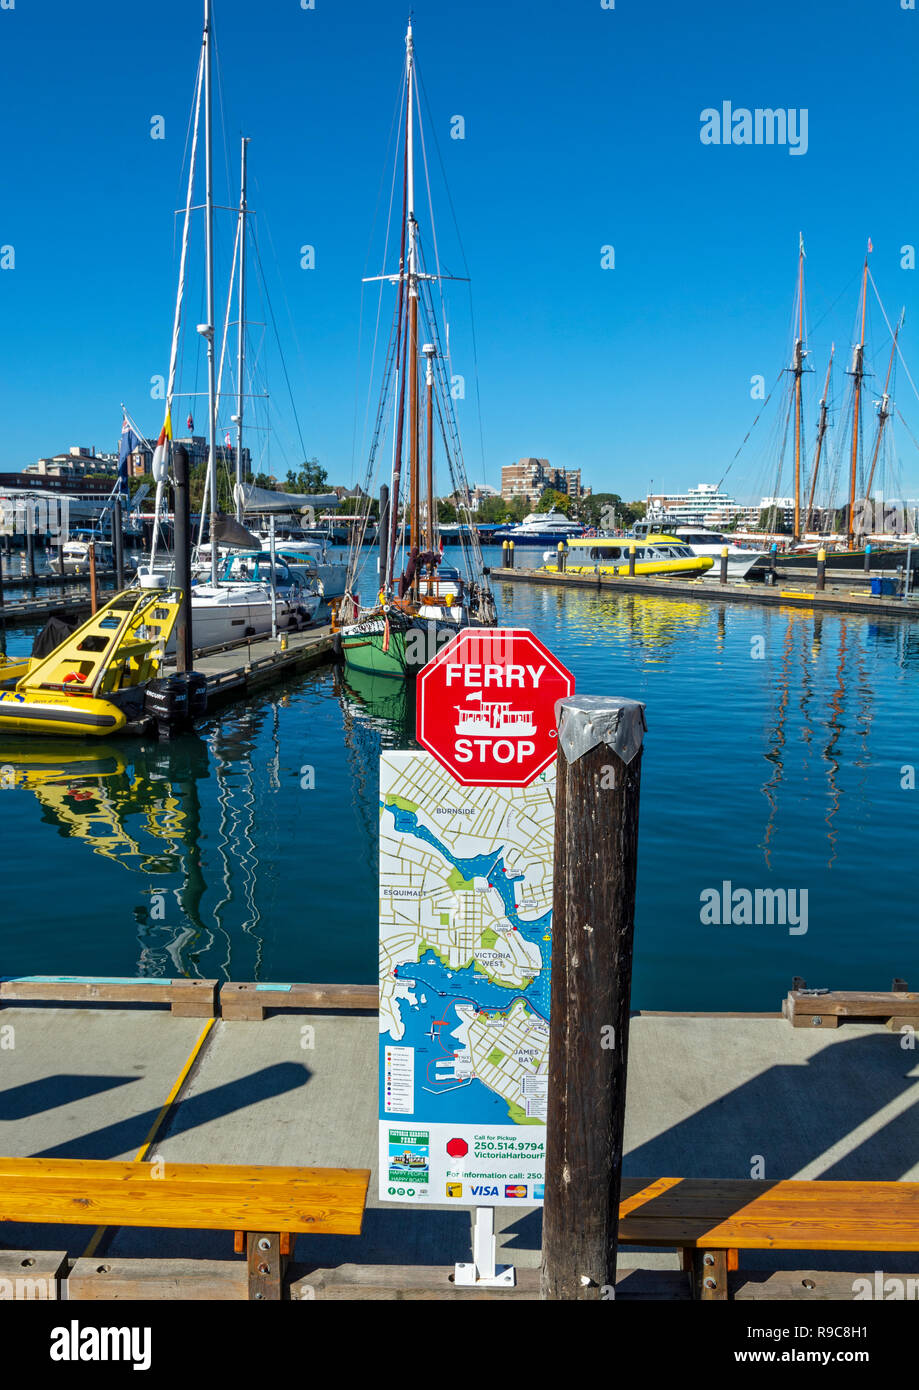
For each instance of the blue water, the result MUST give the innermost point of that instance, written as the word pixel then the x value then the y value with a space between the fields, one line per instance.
pixel 778 755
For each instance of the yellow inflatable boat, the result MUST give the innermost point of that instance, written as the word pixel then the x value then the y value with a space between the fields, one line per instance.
pixel 94 682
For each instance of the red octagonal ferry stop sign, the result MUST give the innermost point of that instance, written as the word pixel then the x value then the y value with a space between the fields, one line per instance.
pixel 486 706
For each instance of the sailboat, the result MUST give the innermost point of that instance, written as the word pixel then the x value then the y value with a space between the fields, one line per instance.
pixel 226 607
pixel 420 608
pixel 846 553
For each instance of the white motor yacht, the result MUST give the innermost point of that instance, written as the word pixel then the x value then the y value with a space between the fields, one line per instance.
pixel 708 544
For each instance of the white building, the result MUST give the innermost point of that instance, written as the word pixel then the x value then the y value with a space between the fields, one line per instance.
pixel 704 505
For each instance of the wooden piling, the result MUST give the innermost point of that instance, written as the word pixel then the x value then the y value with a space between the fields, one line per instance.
pixel 632 559
pixel 185 651
pixel 596 854
pixel 562 555
pixel 724 565
pixel 821 568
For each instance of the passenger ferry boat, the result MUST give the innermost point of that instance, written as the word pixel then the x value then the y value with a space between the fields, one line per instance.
pixel 654 555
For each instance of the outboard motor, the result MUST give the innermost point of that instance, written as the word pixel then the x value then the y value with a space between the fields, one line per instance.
pixel 175 700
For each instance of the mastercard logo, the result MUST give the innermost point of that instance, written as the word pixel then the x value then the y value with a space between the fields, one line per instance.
pixel 515 1189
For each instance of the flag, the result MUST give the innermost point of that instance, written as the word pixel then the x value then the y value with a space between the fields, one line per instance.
pixel 129 442
pixel 870 247
pixel 166 431
pixel 226 439
pixel 190 422
pixel 801 243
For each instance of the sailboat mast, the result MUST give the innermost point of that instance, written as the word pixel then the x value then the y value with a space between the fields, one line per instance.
pixel 429 351
pixel 883 408
pixel 798 368
pixel 411 363
pixel 821 431
pixel 209 274
pixel 241 335
pixel 858 371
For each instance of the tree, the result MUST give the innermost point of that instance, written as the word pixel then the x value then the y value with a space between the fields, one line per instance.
pixel 492 511
pixel 554 501
pixel 312 477
pixel 446 510
pixel 773 519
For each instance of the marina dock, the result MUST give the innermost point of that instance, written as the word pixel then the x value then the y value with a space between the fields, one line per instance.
pixel 246 667
pixel 707 1093
pixel 838 598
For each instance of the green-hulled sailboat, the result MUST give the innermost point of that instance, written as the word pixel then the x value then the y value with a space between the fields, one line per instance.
pixel 417 610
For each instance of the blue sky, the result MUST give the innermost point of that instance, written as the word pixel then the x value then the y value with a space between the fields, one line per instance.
pixel 581 130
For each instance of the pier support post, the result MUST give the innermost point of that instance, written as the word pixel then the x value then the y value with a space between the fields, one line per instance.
pixel 30 551
pixel 510 555
pixel 185 654
pixel 596 856
pixel 821 568
pixel 773 555
pixel 867 556
pixel 118 543
pixel 2 614
pixel 562 555
pixel 724 564
pixel 632 560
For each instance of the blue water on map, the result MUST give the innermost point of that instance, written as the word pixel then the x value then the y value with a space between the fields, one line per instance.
pixel 778 754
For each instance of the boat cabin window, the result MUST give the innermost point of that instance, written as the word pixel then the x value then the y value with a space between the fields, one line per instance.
pixel 606 552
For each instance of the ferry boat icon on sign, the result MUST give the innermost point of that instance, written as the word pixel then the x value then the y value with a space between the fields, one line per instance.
pixel 494 720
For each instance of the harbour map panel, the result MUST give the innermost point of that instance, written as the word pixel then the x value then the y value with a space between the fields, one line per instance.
pixel 465 957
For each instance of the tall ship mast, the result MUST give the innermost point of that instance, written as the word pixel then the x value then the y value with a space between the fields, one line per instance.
pixel 421 600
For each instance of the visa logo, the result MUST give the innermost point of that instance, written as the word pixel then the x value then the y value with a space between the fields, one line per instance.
pixel 484 1192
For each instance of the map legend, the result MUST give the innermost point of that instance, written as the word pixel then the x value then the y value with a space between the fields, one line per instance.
pixel 399 1098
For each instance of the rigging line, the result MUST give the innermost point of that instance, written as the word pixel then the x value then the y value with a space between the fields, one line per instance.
pixel 890 331
pixel 379 312
pixel 280 279
pixel 393 129
pixel 906 426
pixel 752 427
pixel 274 325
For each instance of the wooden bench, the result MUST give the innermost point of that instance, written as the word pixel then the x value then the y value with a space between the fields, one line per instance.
pixel 711 1221
pixel 264 1207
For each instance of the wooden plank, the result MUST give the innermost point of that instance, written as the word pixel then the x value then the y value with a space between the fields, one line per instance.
pixel 187 998
pixel 843 1003
pixel 31 1274
pixel 183 1196
pixel 248 1001
pixel 114 1281
pixel 117 1280
pixel 792 1215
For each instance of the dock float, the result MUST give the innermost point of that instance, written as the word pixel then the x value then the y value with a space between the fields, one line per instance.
pixel 245 667
pixel 299 1088
pixel 835 601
